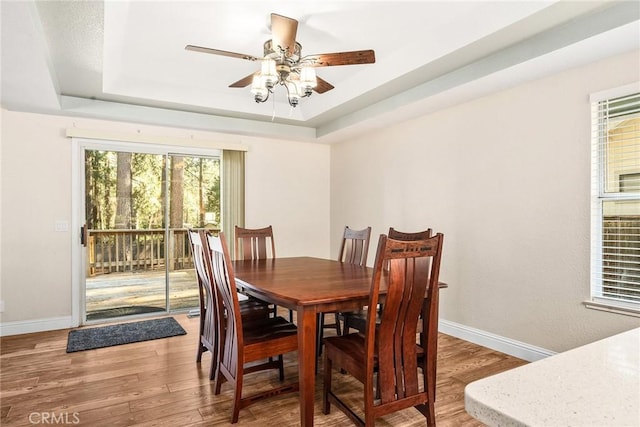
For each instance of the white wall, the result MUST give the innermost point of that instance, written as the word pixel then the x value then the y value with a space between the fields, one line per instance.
pixel 287 187
pixel 506 178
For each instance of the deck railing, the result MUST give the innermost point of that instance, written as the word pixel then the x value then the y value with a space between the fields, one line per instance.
pixel 111 251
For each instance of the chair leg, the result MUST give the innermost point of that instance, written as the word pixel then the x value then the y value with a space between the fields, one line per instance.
pixel 345 325
pixel 213 369
pixel 431 417
pixel 338 316
pixel 429 411
pixel 281 367
pixel 369 420
pixel 326 387
pixel 219 381
pixel 319 336
pixel 201 350
pixel 319 333
pixel 237 396
pixel 201 347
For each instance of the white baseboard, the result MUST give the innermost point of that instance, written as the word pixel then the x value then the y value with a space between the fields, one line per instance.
pixel 38 325
pixel 508 346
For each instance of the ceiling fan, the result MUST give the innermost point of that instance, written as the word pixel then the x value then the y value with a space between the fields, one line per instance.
pixel 284 64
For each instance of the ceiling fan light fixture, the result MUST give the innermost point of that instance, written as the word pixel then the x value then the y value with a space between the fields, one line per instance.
pixel 268 72
pixel 294 92
pixel 259 89
pixel 308 80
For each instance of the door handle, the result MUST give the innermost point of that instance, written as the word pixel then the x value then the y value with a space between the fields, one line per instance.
pixel 83 235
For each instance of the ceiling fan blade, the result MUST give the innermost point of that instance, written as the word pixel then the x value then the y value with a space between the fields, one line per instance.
pixel 283 32
pixel 220 52
pixel 322 85
pixel 244 82
pixel 340 58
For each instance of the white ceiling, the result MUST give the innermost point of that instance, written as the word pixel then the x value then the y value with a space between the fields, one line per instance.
pixel 125 60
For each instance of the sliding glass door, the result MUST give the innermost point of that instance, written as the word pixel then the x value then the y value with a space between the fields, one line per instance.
pixel 138 206
pixel 193 202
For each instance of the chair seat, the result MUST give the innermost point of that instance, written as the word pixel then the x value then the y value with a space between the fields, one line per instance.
pixel 268 337
pixel 353 345
pixel 254 309
pixel 347 351
pixel 360 318
pixel 267 329
pixel 356 320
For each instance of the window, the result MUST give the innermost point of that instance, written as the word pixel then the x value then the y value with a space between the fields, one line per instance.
pixel 615 234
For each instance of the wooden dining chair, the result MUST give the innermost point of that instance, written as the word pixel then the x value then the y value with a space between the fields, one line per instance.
pixel 247 341
pixel 358 319
pixel 254 243
pixel 209 334
pixel 354 249
pixel 388 348
pixel 354 246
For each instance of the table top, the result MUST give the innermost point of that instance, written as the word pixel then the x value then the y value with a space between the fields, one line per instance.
pixel 301 281
pixel 594 385
pixel 305 280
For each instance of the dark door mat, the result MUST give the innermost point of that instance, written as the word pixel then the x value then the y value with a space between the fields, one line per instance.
pixel 125 333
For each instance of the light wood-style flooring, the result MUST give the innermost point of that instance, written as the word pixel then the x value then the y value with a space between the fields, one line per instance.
pixel 158 383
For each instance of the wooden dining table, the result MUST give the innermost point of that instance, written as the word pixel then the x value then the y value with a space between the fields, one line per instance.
pixel 309 286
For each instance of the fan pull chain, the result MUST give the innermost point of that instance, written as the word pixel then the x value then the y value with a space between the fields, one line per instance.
pixel 273 114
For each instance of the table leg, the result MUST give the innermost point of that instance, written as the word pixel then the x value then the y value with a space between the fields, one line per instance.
pixel 307 362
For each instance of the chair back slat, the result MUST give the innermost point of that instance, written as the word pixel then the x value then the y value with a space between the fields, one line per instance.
pixel 355 246
pixel 252 243
pixel 412 273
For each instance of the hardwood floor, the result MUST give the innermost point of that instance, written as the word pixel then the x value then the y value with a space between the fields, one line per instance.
pixel 158 383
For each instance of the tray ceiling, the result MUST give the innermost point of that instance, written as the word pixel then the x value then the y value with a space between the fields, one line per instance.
pixel 119 59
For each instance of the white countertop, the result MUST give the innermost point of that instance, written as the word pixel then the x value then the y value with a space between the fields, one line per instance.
pixel 594 385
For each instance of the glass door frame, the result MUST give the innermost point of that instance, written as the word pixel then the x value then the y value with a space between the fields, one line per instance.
pixel 78 213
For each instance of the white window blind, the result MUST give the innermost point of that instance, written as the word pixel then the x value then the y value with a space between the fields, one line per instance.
pixel 615 234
